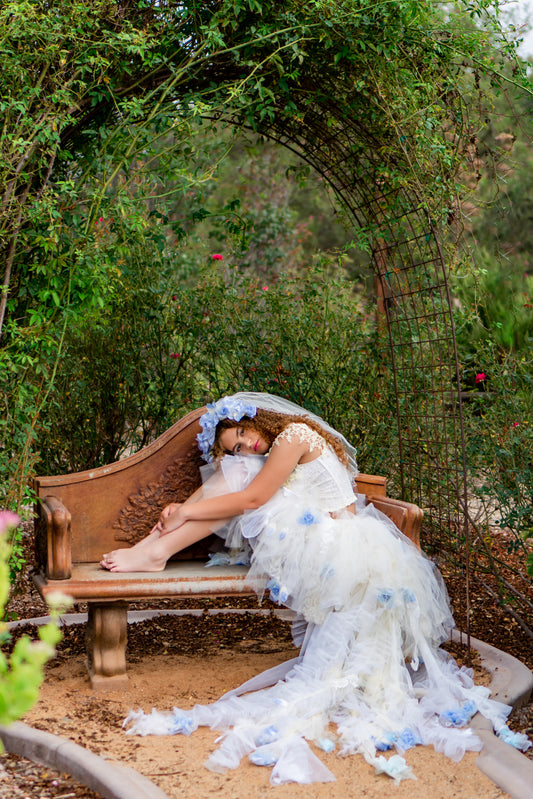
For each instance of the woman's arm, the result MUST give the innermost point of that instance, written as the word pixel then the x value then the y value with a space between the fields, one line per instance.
pixel 278 467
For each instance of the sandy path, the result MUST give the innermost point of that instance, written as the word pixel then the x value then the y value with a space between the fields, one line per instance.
pixel 68 707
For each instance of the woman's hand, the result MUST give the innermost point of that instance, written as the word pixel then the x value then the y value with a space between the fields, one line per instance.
pixel 170 518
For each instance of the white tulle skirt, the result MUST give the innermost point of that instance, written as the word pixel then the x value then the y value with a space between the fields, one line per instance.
pixel 370 677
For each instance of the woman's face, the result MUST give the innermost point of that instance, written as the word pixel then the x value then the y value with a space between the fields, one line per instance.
pixel 243 441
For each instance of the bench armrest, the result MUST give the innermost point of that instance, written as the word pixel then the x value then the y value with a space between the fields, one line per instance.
pixel 55 529
pixel 371 485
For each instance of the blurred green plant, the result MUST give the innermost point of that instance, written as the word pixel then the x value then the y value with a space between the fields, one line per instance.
pixel 21 673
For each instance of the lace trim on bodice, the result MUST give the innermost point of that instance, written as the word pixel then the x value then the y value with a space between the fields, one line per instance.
pixel 304 433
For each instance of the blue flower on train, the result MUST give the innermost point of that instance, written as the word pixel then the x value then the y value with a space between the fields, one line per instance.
pixel 327 571
pixel 386 597
pixel 267 736
pixel 395 767
pixel 278 593
pixel 259 758
pixel 459 716
pixel 273 587
pixel 181 724
pixel 307 518
pixel 282 535
pixel 408 595
pixel 517 739
pixel 408 738
pixel 384 746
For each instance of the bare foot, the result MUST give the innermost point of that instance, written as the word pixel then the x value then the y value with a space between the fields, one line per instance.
pixel 134 559
pixel 109 557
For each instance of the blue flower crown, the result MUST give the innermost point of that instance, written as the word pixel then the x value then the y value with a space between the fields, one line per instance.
pixel 225 408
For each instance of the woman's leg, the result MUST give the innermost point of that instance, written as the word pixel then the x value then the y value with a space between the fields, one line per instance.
pixel 152 553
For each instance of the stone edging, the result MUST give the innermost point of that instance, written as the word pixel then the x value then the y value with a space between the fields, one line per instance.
pixel 110 780
pixel 512 683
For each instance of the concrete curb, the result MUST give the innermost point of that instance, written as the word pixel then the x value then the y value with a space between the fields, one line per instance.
pixel 512 683
pixel 111 781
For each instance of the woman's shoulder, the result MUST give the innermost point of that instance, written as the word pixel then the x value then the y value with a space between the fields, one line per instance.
pixel 300 431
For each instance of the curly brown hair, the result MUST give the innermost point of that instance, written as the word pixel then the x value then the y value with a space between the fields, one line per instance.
pixel 270 424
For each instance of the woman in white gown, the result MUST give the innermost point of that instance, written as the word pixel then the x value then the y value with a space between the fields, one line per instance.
pixel 371 610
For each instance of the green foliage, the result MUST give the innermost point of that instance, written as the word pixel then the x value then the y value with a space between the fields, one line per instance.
pixel 21 674
pixel 307 337
pixel 500 441
pixel 496 297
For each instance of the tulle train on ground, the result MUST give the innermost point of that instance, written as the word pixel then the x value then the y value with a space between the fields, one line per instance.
pixel 371 613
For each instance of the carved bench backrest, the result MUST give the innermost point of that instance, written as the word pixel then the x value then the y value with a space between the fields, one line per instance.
pixel 118 504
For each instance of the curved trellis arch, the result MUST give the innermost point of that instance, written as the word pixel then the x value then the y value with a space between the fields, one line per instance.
pixel 413 295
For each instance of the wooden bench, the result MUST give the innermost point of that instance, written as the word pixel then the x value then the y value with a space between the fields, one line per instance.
pixel 81 516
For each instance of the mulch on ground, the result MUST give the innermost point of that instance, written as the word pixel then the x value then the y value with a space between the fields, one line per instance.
pixel 22 779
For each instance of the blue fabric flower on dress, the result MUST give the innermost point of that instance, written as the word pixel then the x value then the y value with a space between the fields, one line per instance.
pixel 266 758
pixel 386 743
pixel 517 739
pixel 267 736
pixel 386 597
pixel 327 571
pixel 307 518
pixel 278 593
pixel 407 739
pixel 459 716
pixel 283 595
pixel 181 724
pixel 395 767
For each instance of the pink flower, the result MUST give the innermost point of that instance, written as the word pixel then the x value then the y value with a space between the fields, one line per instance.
pixel 8 519
pixel 216 257
pixel 174 297
pixel 174 355
pixel 516 424
pixel 480 377
pixel 265 288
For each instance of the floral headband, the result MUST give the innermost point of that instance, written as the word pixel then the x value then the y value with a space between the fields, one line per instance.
pixel 225 408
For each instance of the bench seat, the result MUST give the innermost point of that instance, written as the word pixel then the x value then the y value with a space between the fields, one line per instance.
pixel 89 582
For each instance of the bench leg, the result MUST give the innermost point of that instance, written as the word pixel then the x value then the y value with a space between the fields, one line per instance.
pixel 106 645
